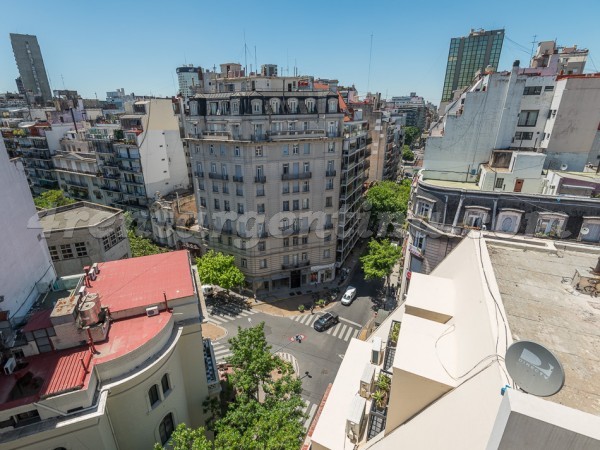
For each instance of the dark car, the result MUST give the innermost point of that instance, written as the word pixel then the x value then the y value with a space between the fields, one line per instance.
pixel 326 321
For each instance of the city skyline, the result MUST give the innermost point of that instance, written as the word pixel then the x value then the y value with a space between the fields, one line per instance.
pixel 327 45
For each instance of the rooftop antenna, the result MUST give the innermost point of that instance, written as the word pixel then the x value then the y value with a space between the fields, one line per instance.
pixel 287 62
pixel 370 56
pixel 295 67
pixel 533 45
pixel 245 55
pixel 255 60
pixel 63 81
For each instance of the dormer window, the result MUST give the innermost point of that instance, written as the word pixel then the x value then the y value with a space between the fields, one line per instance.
pixel 310 105
pixel 332 105
pixel 423 209
pixel 275 105
pixel 550 224
pixel 590 229
pixel 508 220
pixel 235 107
pixel 293 105
pixel 256 107
pixel 475 216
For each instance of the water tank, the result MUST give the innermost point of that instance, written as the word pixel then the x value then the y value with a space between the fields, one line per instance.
pixel 89 311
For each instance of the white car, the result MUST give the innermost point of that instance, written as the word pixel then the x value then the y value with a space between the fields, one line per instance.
pixel 349 295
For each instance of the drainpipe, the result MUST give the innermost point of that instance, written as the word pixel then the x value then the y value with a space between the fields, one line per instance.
pixel 445 210
pixel 494 213
pixel 460 203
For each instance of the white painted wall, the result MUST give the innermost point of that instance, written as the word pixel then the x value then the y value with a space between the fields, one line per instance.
pixel 25 259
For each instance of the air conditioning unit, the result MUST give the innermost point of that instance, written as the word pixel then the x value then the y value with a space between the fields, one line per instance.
pixel 96 268
pixel 376 353
pixel 10 366
pixel 92 274
pixel 82 291
pixel 152 311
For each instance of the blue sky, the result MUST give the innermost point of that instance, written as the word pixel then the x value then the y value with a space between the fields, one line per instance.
pixel 97 46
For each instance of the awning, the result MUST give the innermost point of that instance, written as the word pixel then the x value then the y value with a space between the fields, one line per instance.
pixel 325 267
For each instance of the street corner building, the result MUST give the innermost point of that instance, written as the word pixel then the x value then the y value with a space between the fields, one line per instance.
pixel 109 359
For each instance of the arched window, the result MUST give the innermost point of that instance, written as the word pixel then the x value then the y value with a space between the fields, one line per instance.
pixel 153 395
pixel 256 106
pixel 310 105
pixel 275 105
pixel 165 429
pixel 165 383
pixel 293 105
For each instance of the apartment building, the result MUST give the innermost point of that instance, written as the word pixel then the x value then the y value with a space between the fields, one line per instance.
pixel 443 353
pixel 32 71
pixel 83 233
pixel 172 217
pixel 109 360
pixel 266 154
pixel 26 270
pixel 189 79
pixel 413 106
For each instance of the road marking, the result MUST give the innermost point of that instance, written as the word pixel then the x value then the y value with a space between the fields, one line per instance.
pixel 350 322
pixel 310 414
pixel 342 330
pixel 303 318
pixel 348 333
pixel 310 321
pixel 355 333
pixel 216 320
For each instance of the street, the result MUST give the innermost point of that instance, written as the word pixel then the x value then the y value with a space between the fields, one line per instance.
pixel 320 353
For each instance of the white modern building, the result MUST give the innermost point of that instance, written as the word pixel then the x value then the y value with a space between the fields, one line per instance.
pixel 26 270
pixel 113 360
pixel 189 79
pixel 444 350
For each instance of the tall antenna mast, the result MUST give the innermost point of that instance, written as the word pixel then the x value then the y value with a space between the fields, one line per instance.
pixel 245 55
pixel 255 60
pixel 533 45
pixel 370 56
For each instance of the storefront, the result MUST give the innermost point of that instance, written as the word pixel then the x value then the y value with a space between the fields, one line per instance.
pixel 322 274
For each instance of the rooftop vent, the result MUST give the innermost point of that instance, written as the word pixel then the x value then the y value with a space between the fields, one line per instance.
pixel 152 311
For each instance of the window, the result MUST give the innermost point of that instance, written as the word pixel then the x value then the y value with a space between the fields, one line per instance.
pixel 153 395
pixel 306 149
pixel 286 205
pixel 66 251
pixel 295 149
pixel 532 90
pixel 548 88
pixel 285 188
pixel 528 118
pixel 239 190
pixel 211 149
pixel 217 204
pixel 215 187
pixel 306 167
pixel 329 184
pixel 291 126
pixel 244 262
pixel 550 224
pixel 304 256
pixel 328 202
pixel 166 428
pixel 424 209
pixel 296 205
pixel 304 240
pixel 81 249
pixel 225 188
pixel 295 241
pixel 296 187
pixel 165 383
pixel 260 208
pixel 327 238
pixel 305 203
pixel 310 105
pixel 262 246
pixel 263 263
pixel 203 202
pixel 237 152
pixel 286 242
pixel 326 253
pixel 523 136
pixel 200 184
pixel 260 190
pixel 475 217
pixel 226 206
pixel 499 183
pixel 53 252
pixel 258 151
pixel 286 169
pixel 285 150
pixel 256 107
pixel 332 105
pixel 293 105
pixel 274 103
pixel 331 147
pixel 419 241
pixel 235 107
pixel 240 208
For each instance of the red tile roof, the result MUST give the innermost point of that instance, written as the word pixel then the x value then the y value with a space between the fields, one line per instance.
pixel 320 86
pixel 39 321
pixel 136 282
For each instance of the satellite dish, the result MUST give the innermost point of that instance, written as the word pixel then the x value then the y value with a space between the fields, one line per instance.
pixel 534 368
pixel 564 167
pixel 584 230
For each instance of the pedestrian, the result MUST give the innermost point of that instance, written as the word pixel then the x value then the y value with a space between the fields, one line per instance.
pixel 312 308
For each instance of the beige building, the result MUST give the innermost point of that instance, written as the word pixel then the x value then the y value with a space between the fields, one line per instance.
pixel 266 159
pixel 83 233
pixel 117 363
pixel 444 350
pixel 172 216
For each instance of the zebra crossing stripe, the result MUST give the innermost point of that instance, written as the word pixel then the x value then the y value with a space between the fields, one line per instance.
pixel 331 329
pixel 356 333
pixel 216 320
pixel 348 333
pixel 341 330
pixel 311 413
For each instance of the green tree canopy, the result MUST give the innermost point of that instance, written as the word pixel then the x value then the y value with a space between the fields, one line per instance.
pixel 389 197
pixel 410 134
pixel 184 438
pixel 141 246
pixel 219 269
pixel 407 154
pixel 52 199
pixel 380 259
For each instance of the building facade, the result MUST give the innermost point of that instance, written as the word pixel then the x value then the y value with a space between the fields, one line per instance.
pixel 83 233
pixel 24 278
pixel 189 79
pixel 32 72
pixel 266 155
pixel 115 363
pixel 469 54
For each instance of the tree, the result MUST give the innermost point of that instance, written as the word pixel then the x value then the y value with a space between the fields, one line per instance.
pixel 380 259
pixel 407 154
pixel 410 134
pixel 184 438
pixel 141 246
pixel 219 269
pixel 52 199
pixel 273 421
pixel 389 197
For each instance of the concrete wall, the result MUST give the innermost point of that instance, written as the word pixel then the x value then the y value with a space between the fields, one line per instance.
pixel 25 267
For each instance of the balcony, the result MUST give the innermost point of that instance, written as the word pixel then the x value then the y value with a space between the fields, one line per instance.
pixel 295 134
pixel 133 181
pixel 260 179
pixel 217 135
pixel 297 265
pixel 109 163
pixel 330 173
pixel 110 188
pixel 128 156
pixel 110 175
pixel 218 176
pixel 199 173
pixel 238 178
pixel 259 137
pixel 296 176
pixel 75 183
pixel 328 226
pixel 130 169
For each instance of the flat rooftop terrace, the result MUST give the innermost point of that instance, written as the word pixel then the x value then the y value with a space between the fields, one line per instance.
pixel 542 307
pixel 77 215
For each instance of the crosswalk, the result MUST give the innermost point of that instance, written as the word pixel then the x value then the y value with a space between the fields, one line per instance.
pixel 309 409
pixel 221 351
pixel 218 314
pixel 343 331
pixel 288 357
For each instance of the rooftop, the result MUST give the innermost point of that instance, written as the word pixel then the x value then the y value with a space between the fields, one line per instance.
pixel 543 309
pixel 76 215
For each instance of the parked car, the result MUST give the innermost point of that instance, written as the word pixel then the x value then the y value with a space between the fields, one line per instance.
pixel 326 321
pixel 208 290
pixel 349 295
